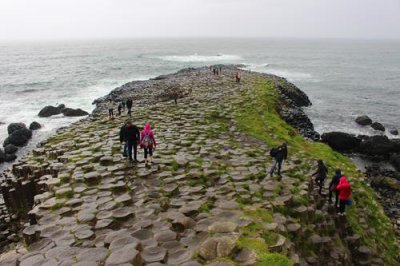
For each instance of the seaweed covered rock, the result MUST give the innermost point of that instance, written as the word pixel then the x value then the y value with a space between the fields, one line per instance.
pixel 49 110
pixel 341 141
pixel 364 120
pixel 19 137
pixel 378 126
pixel 35 126
pixel 377 145
pixel 74 112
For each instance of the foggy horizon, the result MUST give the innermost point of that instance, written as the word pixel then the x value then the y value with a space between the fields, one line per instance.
pixel 24 20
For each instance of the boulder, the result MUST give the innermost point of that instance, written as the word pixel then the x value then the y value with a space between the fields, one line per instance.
pixel 378 126
pixel 18 138
pixel 363 120
pixel 10 157
pixel 49 110
pixel 377 145
pixel 74 112
pixel 2 156
pixel 14 127
pixel 10 149
pixel 341 141
pixel 394 132
pixel 61 106
pixel 35 126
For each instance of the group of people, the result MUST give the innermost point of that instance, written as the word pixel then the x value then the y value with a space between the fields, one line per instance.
pixel 339 185
pixel 131 138
pixel 218 71
pixel 121 107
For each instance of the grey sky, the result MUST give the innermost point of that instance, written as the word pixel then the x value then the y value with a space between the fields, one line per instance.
pixel 48 19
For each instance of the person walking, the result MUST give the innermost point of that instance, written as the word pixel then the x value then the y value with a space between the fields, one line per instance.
pixel 344 191
pixel 131 136
pixel 119 109
pixel 110 106
pixel 129 104
pixel 332 188
pixel 122 139
pixel 279 154
pixel 148 143
pixel 123 105
pixel 320 174
pixel 238 77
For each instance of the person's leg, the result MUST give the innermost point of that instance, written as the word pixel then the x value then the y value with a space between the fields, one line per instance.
pixel 151 155
pixel 279 168
pixel 145 155
pixel 336 198
pixel 330 196
pixel 342 206
pixel 130 145
pixel 135 151
pixel 125 149
pixel 271 172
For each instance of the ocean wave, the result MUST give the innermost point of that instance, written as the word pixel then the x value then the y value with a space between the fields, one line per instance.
pixel 201 58
pixel 288 74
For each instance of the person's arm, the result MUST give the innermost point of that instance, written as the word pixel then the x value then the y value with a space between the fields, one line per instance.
pixel 154 140
pixel 138 135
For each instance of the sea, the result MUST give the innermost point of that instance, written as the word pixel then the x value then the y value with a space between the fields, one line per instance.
pixel 343 78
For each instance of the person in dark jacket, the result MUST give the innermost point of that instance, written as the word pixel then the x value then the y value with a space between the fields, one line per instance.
pixel 122 140
pixel 279 155
pixel 119 109
pixel 332 187
pixel 129 104
pixel 320 174
pixel 130 134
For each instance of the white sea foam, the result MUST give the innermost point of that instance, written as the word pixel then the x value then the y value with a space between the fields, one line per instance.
pixel 201 58
pixel 285 73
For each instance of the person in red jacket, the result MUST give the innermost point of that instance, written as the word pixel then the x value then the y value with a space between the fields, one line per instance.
pixel 344 190
pixel 148 143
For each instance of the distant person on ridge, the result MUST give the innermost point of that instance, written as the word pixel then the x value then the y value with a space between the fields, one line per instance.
pixel 119 109
pixel 238 76
pixel 344 191
pixel 110 106
pixel 279 154
pixel 332 188
pixel 148 143
pixel 129 104
pixel 130 135
pixel 320 174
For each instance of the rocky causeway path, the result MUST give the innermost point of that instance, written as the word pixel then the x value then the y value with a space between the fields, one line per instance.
pixel 206 200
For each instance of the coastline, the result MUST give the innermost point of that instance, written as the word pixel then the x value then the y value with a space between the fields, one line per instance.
pixel 291 99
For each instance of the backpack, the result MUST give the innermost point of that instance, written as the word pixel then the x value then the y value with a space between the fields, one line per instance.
pixel 147 141
pixel 273 152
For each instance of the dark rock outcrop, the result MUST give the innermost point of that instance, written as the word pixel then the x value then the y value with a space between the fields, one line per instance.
pixel 377 145
pixel 74 112
pixel 14 127
pixel 364 120
pixel 378 126
pixel 2 156
pixel 290 109
pixel 35 126
pixel 341 141
pixel 10 149
pixel 49 111
pixel 294 93
pixel 19 137
pixel 394 132
pixel 10 157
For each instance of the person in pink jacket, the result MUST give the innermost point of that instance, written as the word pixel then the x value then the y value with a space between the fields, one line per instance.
pixel 148 143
